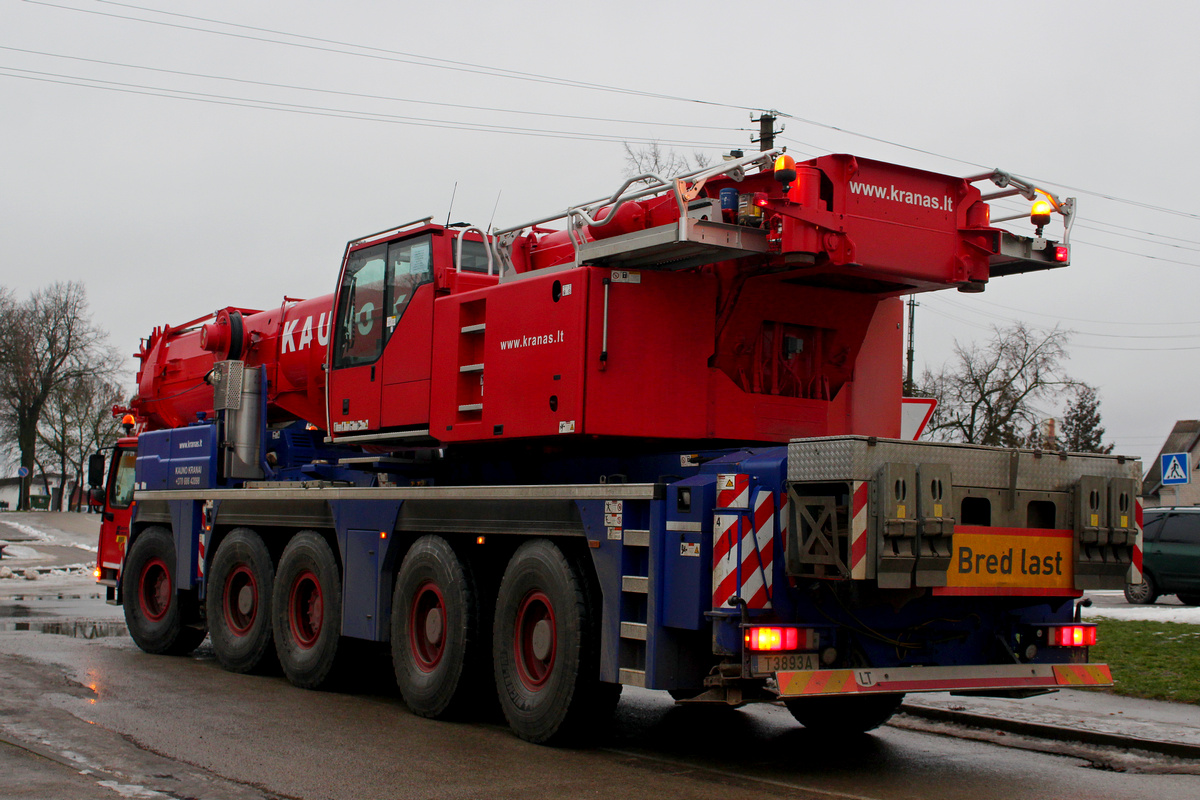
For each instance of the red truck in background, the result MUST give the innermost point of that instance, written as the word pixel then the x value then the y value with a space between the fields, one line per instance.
pixel 652 440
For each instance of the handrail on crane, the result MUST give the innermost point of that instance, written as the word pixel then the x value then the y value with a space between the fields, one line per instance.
pixel 487 247
pixel 1012 185
pixel 684 187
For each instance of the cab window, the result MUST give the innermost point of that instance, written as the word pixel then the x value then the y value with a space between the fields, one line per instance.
pixel 121 480
pixel 361 307
pixel 410 264
pixel 474 256
pixel 377 287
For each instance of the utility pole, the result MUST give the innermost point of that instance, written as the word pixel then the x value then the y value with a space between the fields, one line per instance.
pixel 912 318
pixel 766 130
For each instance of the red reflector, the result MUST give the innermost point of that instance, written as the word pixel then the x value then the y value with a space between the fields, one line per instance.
pixel 1073 636
pixel 1062 253
pixel 760 199
pixel 773 638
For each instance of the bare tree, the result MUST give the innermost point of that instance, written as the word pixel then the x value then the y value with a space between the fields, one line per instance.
pixel 664 162
pixel 76 422
pixel 45 343
pixel 991 393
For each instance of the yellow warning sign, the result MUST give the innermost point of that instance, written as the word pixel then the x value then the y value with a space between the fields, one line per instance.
pixel 1017 558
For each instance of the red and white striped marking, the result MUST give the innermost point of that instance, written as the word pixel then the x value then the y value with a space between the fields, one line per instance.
pixel 201 549
pixel 1135 564
pixel 758 552
pixel 744 554
pixel 725 561
pixel 733 491
pixel 858 530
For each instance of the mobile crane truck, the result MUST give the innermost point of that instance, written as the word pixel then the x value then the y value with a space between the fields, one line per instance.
pixel 650 441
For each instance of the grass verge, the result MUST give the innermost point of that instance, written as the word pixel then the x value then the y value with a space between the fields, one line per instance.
pixel 1154 660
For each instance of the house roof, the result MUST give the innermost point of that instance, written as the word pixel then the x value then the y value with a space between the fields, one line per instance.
pixel 1182 439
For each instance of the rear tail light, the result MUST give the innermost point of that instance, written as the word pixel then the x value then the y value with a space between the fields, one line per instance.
pixel 780 638
pixel 1062 253
pixel 1072 635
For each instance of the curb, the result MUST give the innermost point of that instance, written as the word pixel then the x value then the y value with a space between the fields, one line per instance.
pixel 1055 732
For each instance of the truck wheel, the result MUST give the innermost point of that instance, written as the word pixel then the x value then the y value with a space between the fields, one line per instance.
pixel 435 630
pixel 545 647
pixel 239 601
pixel 153 612
pixel 843 716
pixel 1142 594
pixel 306 610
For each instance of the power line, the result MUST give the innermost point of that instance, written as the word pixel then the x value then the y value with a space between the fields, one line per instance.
pixel 375 52
pixel 973 324
pixel 359 95
pixel 429 61
pixel 1076 319
pixel 271 105
pixel 1073 331
pixel 1135 253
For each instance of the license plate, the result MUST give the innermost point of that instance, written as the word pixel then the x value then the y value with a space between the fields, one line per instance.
pixel 786 662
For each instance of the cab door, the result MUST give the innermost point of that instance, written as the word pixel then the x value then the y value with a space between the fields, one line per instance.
pixel 382 286
pixel 117 510
pixel 358 338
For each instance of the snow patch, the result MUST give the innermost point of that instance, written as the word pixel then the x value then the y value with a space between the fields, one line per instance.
pixel 17 552
pixel 36 534
pixel 1156 613
pixel 131 790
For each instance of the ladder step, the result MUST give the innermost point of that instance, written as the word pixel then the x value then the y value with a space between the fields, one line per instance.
pixel 636 584
pixel 635 538
pixel 633 630
pixel 471 407
pixel 632 677
pixel 471 368
pixel 474 328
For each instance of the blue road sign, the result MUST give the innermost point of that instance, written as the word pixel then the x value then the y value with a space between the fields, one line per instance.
pixel 1174 469
pixel 23 472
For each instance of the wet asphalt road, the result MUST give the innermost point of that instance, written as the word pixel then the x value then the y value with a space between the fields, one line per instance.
pixel 95 717
pixel 183 727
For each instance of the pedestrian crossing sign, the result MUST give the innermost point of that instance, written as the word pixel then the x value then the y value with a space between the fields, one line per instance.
pixel 1174 469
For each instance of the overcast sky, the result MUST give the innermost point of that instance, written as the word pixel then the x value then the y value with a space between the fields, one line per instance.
pixel 178 164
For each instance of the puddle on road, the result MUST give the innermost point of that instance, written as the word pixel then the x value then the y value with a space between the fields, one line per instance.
pixel 78 629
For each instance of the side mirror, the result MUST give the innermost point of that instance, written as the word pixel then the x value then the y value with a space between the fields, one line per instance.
pixel 95 469
pixel 96 496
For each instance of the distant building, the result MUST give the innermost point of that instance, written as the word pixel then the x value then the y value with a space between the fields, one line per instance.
pixel 10 490
pixel 1184 438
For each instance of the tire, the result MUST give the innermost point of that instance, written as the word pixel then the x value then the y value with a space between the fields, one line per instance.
pixel 306 610
pixel 154 611
pixel 1189 599
pixel 546 647
pixel 1144 593
pixel 238 604
pixel 435 631
pixel 844 716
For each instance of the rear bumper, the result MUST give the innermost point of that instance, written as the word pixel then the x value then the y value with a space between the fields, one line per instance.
pixel 942 679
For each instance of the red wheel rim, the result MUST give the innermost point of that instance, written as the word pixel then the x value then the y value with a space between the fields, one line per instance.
pixel 241 600
pixel 535 640
pixel 427 626
pixel 306 609
pixel 154 593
